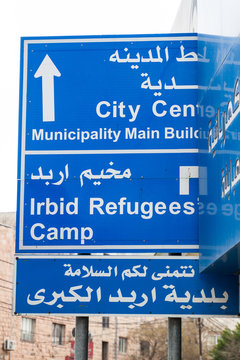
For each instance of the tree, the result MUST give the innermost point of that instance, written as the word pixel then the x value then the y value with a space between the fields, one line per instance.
pixel 190 339
pixel 228 346
pixel 151 340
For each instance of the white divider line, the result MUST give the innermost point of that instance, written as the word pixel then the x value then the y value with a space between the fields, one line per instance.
pixel 110 39
pixel 121 151
pixel 144 248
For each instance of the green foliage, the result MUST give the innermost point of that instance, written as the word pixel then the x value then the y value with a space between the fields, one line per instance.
pixel 228 346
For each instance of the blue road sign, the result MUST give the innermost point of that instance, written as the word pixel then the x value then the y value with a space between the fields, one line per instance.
pixel 108 144
pixel 125 286
pixel 219 210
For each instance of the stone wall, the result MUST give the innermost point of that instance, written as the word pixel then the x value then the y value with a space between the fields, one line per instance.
pixel 10 325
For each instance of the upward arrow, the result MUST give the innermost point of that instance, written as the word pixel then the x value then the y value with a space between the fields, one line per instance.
pixel 47 70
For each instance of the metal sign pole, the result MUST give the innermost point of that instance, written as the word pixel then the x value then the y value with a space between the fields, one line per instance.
pixel 200 324
pixel 174 338
pixel 81 335
pixel 174 334
pixel 81 338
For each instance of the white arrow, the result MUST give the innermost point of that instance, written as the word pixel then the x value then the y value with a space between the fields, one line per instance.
pixel 47 70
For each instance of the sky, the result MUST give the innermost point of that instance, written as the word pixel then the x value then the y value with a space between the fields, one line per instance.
pixel 59 18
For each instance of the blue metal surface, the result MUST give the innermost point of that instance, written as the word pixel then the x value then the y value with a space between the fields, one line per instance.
pixel 145 210
pixel 107 118
pixel 86 285
pixel 219 210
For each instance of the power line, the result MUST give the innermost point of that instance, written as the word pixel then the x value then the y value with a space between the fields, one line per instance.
pixel 7 262
pixel 3 302
pixel 8 226
pixel 5 287
pixel 3 307
pixel 10 282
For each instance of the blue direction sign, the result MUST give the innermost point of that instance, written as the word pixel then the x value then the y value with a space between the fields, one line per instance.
pixel 219 210
pixel 108 144
pixel 113 285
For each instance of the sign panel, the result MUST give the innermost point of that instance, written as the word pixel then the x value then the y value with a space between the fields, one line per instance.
pixel 219 211
pixel 126 286
pixel 108 143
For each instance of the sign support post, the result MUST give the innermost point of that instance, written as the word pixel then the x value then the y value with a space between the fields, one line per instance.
pixel 81 338
pixel 174 338
pixel 200 324
pixel 174 334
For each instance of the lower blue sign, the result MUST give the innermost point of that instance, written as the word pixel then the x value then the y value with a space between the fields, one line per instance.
pixel 130 286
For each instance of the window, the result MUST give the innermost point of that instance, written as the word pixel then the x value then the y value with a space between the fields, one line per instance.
pixel 105 322
pixel 144 348
pixel 58 334
pixel 122 345
pixel 213 339
pixel 27 329
pixel 104 350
